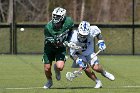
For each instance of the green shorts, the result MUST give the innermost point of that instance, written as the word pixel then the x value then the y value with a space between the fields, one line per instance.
pixel 53 54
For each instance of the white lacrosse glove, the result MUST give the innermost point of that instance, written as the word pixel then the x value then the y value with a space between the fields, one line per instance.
pixel 73 45
pixel 101 45
pixel 81 63
pixel 65 43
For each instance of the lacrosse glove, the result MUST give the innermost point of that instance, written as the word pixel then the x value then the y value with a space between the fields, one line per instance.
pixel 71 45
pixel 101 45
pixel 81 64
pixel 65 43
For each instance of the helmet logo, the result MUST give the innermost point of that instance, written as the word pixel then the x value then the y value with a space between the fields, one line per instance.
pixel 85 27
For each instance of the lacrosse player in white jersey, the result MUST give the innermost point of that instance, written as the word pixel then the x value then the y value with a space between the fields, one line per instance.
pixel 84 56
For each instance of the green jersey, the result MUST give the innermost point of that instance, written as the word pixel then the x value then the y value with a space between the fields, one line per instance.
pixel 56 37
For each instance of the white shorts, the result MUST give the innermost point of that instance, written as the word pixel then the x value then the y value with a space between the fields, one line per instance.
pixel 91 61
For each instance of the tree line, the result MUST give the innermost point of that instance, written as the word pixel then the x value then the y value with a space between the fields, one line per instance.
pixel 104 11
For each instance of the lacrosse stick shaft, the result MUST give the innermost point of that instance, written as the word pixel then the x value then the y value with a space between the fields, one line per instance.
pixel 97 53
pixel 94 56
pixel 80 69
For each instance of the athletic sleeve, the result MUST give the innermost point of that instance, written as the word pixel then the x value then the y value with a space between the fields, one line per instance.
pixel 48 37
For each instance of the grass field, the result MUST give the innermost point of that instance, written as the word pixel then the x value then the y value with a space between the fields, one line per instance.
pixel 24 74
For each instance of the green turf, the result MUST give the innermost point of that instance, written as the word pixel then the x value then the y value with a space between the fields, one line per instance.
pixel 24 74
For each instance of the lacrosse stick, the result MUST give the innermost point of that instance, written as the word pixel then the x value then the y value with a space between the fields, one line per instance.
pixel 96 53
pixel 93 57
pixel 71 75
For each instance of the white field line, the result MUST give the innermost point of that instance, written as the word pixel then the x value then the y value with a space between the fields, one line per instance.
pixel 25 88
pixel 131 86
pixel 43 88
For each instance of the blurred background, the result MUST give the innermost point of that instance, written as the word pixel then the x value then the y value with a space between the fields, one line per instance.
pixel 119 21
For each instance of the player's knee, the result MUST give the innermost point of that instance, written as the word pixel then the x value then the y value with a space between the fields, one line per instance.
pixel 60 68
pixel 47 68
pixel 60 65
pixel 87 70
pixel 96 68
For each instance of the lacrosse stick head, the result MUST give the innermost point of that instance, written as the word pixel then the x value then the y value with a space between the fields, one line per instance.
pixel 70 76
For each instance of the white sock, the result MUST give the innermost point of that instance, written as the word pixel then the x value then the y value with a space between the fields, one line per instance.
pixel 97 80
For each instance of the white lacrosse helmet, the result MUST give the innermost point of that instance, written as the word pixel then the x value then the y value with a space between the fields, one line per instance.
pixel 83 30
pixel 58 15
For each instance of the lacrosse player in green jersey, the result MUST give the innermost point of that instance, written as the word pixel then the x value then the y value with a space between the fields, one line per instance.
pixel 57 34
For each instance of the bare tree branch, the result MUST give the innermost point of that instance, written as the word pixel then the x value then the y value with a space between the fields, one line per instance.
pixel 104 13
pixel 47 10
pixel 74 9
pixel 33 5
pixel 40 15
pixel 2 12
pixel 25 7
pixel 82 10
pixel 10 12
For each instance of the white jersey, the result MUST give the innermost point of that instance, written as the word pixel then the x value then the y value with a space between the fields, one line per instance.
pixel 88 46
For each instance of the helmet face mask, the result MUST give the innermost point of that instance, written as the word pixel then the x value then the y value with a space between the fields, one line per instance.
pixel 83 31
pixel 56 18
pixel 82 38
pixel 58 15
